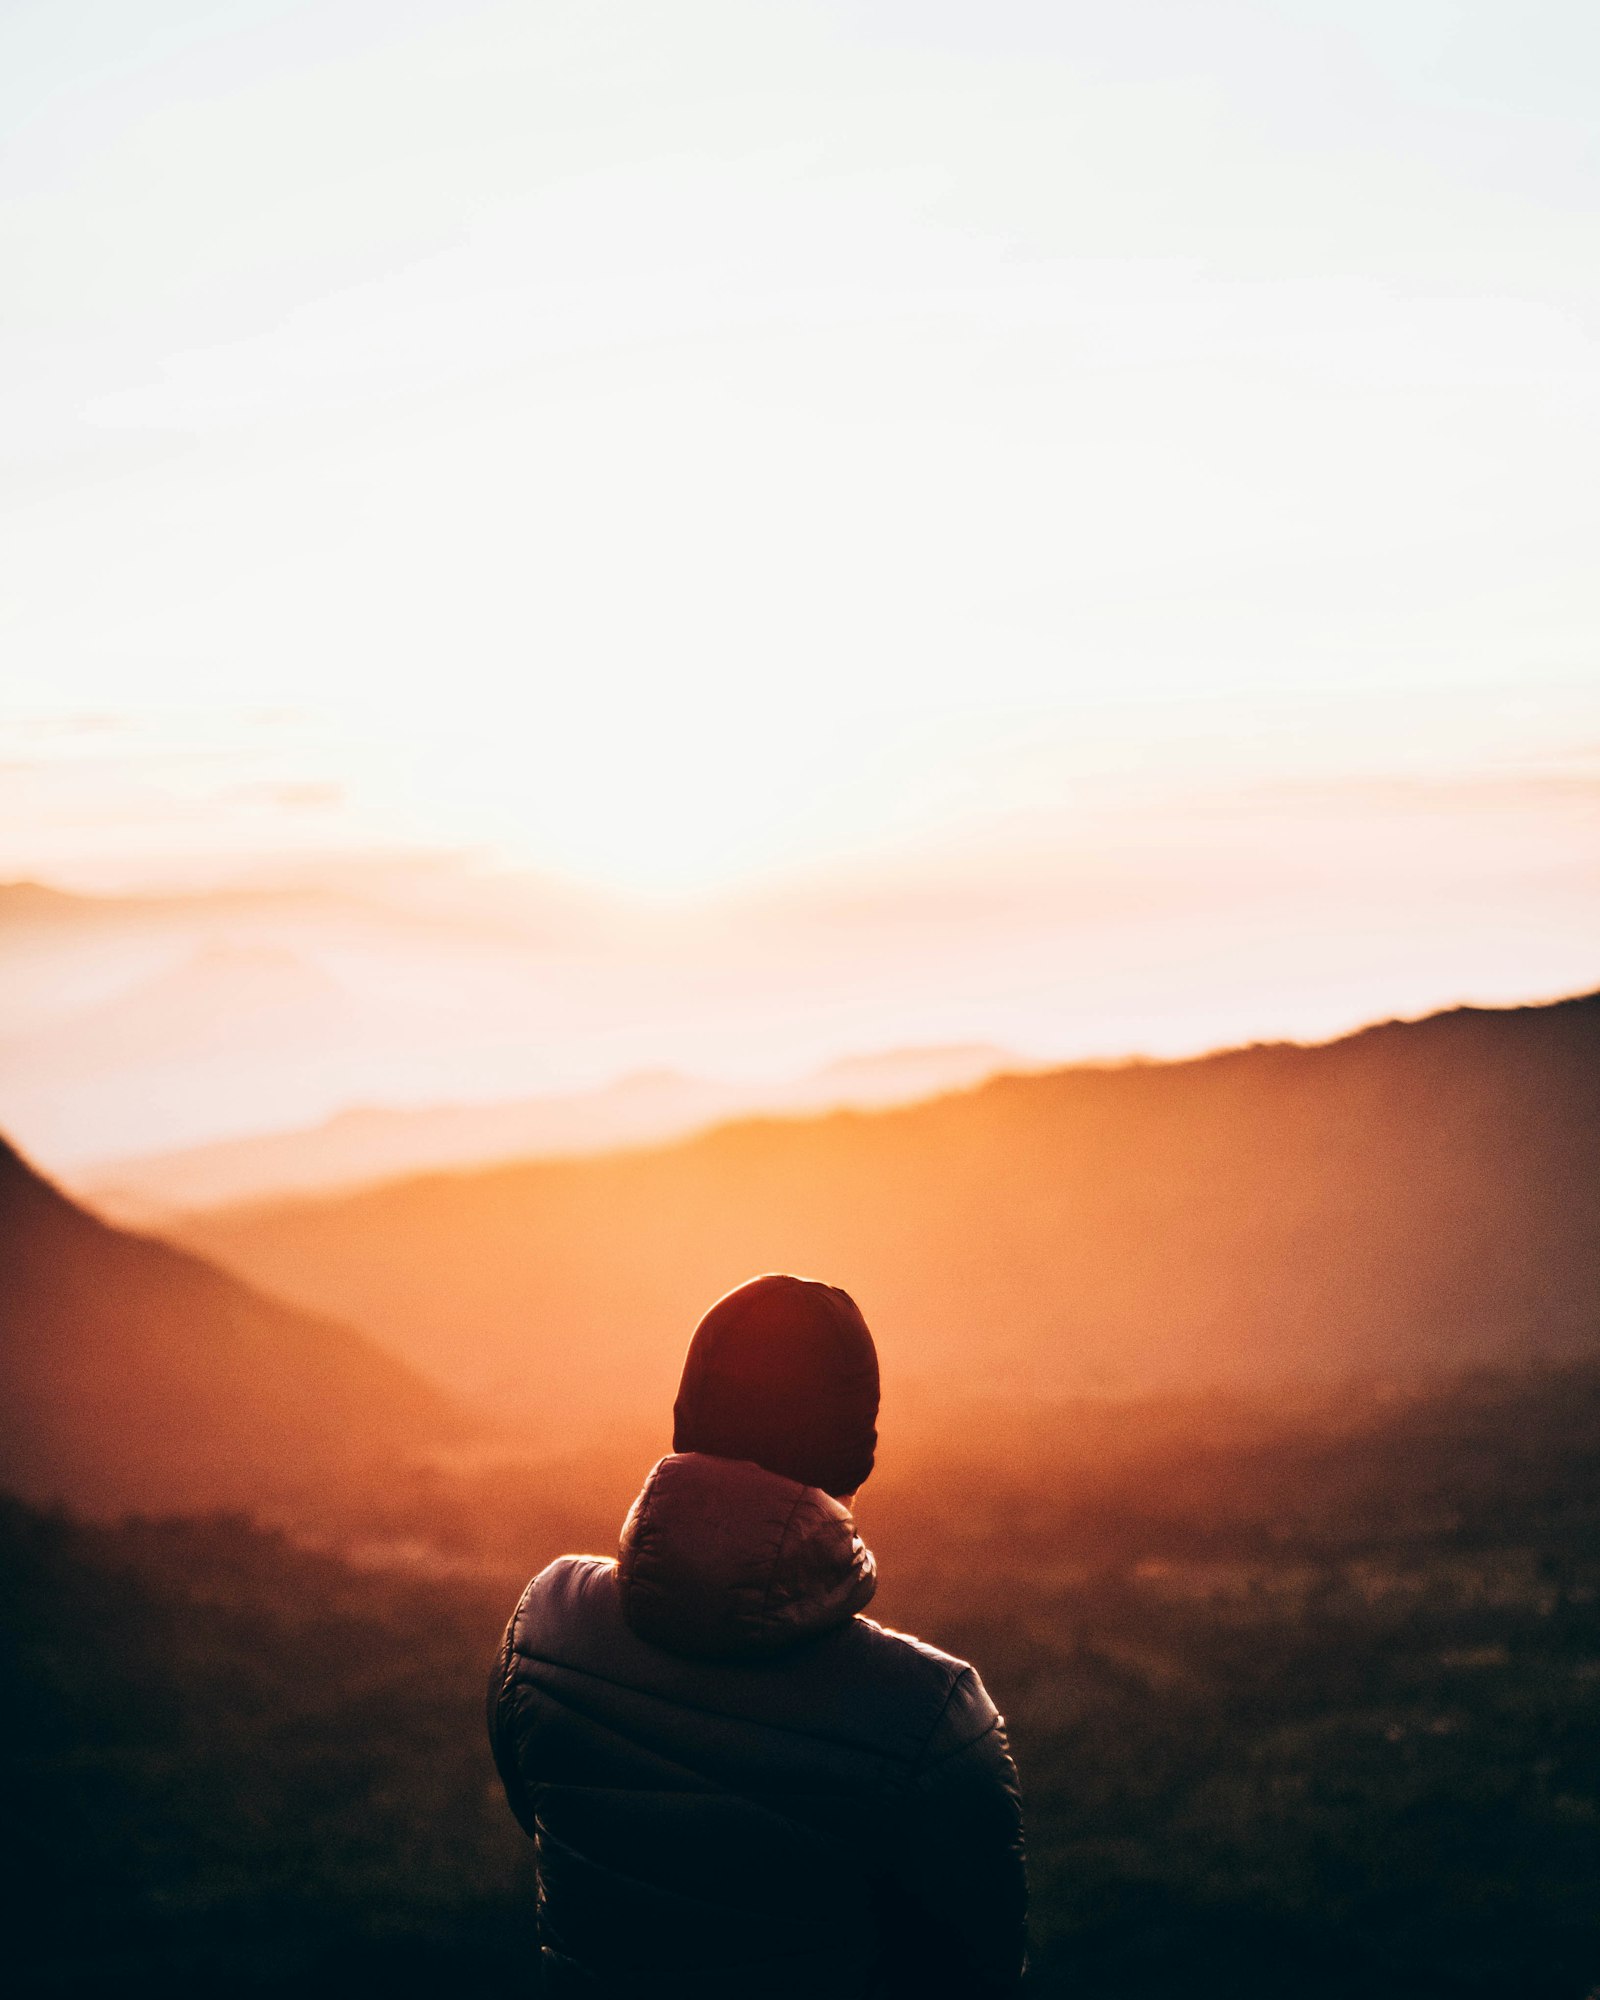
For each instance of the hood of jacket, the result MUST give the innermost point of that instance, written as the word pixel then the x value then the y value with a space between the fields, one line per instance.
pixel 723 1560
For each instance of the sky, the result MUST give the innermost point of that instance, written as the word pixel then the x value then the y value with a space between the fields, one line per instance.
pixel 1122 473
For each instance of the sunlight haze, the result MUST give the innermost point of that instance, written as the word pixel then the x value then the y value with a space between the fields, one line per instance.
pixel 1126 471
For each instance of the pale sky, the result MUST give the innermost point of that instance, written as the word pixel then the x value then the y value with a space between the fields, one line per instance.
pixel 690 449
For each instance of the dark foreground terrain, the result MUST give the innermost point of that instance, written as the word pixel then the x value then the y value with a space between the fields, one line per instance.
pixel 1306 1715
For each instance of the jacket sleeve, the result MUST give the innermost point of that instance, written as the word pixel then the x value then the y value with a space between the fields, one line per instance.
pixel 960 1888
pixel 502 1691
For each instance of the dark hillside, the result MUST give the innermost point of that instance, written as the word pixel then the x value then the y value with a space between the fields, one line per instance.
pixel 134 1374
pixel 1417 1198
pixel 281 1787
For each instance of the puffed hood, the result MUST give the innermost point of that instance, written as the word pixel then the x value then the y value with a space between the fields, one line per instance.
pixel 722 1560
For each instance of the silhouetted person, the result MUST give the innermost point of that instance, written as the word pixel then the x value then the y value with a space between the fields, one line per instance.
pixel 737 1784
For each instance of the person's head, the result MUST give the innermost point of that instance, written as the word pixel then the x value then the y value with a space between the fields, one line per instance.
pixel 782 1371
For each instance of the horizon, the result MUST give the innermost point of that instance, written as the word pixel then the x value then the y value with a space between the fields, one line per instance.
pixel 143 1024
pixel 218 972
pixel 875 1081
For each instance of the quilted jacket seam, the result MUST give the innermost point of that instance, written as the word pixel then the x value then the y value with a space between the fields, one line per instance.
pixel 777 1559
pixel 949 1756
pixel 921 1760
pixel 718 1714
pixel 550 1839
pixel 633 1742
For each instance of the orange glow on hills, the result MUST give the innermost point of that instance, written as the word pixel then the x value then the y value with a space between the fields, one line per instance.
pixel 1391 1205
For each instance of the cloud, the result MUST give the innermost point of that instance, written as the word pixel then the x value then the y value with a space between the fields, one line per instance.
pixel 1458 791
pixel 72 723
pixel 302 795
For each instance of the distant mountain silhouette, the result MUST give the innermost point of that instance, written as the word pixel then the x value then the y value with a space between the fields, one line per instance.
pixel 1415 1198
pixel 221 997
pixel 156 1021
pixel 371 1143
pixel 136 1375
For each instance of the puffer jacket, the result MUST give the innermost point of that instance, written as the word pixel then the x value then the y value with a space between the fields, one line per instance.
pixel 739 1786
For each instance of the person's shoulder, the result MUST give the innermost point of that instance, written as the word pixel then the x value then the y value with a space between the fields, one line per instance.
pixel 568 1595
pixel 911 1654
pixel 945 1691
pixel 946 1688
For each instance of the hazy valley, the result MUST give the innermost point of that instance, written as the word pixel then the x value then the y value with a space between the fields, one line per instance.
pixel 1414 1199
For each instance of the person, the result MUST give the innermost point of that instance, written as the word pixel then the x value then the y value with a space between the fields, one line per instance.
pixel 736 1783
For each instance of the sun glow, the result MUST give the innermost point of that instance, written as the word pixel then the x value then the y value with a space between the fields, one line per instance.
pixel 692 469
pixel 1066 528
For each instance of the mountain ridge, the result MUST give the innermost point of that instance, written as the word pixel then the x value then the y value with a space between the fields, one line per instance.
pixel 367 1145
pixel 1418 1196
pixel 134 1373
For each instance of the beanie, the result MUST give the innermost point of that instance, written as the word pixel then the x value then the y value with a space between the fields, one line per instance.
pixel 783 1371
